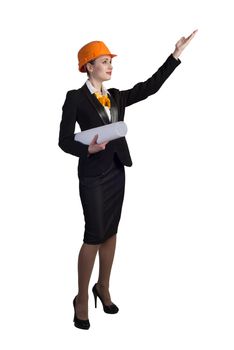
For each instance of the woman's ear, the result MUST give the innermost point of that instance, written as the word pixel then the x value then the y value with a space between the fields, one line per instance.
pixel 88 67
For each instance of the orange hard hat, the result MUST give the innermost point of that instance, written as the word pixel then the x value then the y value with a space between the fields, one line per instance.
pixel 91 51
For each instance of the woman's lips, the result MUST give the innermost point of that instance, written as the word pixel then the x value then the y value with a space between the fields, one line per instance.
pixel 109 73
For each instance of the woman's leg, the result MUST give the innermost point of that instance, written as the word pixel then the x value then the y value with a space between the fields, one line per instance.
pixel 106 257
pixel 86 261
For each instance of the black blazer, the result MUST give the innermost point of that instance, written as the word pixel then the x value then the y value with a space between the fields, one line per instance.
pixel 84 108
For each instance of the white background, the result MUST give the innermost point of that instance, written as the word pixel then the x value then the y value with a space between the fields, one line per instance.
pixel 172 276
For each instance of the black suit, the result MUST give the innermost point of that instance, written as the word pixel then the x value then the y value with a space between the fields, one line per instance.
pixel 83 107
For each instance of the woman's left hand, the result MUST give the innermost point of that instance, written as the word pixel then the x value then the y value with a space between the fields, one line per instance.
pixel 182 43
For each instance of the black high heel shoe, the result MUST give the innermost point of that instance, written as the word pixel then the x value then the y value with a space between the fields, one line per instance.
pixel 83 324
pixel 109 309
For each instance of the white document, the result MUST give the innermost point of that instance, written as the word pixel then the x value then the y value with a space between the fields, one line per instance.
pixel 105 133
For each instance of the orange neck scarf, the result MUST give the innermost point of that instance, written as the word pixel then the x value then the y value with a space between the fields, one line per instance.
pixel 104 100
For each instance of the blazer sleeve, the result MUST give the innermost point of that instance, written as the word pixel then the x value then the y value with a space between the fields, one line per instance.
pixel 149 87
pixel 67 128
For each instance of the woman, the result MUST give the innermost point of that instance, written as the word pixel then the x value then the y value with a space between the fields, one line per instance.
pixel 101 170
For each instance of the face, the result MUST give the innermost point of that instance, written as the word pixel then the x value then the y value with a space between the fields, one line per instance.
pixel 102 68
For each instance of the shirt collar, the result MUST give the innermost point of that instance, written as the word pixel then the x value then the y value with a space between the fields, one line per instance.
pixel 92 89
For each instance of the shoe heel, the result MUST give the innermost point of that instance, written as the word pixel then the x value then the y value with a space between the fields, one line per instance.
pixel 95 298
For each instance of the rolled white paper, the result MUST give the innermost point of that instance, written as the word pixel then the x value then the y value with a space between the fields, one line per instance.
pixel 107 132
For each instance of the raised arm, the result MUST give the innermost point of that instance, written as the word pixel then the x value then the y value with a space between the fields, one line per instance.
pixel 142 90
pixel 149 87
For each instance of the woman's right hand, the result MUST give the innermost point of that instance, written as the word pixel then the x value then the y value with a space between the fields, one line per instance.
pixel 95 147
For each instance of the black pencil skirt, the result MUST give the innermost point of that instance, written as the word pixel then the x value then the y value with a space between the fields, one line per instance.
pixel 102 198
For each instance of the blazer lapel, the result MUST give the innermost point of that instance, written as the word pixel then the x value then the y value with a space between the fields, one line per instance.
pixel 99 108
pixel 96 104
pixel 113 110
